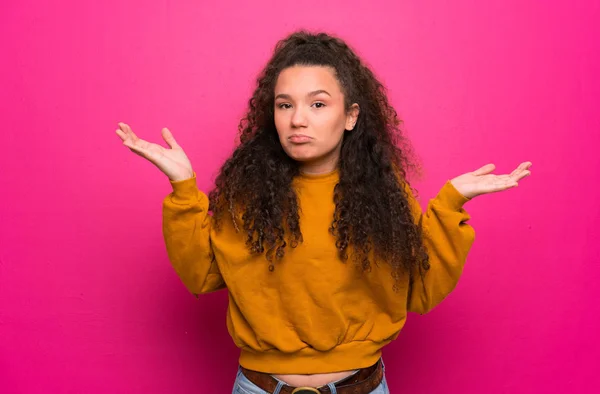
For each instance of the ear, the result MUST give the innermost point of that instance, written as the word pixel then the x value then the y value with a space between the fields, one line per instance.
pixel 352 116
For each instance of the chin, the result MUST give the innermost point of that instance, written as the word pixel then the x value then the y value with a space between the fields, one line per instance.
pixel 303 158
pixel 301 155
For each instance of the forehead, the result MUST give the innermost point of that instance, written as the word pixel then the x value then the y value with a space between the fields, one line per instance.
pixel 303 79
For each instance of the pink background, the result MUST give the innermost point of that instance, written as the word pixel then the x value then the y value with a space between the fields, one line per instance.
pixel 88 300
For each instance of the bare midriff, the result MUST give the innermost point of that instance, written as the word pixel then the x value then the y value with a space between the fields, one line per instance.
pixel 316 380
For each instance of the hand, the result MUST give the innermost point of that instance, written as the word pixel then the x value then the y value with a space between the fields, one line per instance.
pixel 172 162
pixel 479 182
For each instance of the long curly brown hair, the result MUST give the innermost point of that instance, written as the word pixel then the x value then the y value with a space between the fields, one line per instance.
pixel 372 213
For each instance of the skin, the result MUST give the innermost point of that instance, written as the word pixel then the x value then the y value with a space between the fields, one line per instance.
pixel 310 102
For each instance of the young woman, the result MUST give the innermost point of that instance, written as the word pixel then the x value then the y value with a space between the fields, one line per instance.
pixel 315 231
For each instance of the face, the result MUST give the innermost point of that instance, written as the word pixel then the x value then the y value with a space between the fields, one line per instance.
pixel 310 116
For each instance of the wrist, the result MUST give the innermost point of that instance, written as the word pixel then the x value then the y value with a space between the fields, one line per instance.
pixel 183 177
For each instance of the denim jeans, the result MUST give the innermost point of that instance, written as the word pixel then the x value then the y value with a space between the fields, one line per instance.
pixel 243 386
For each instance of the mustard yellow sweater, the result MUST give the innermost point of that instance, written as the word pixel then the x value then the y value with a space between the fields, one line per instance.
pixel 312 314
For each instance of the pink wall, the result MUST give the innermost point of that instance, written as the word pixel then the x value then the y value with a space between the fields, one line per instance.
pixel 88 301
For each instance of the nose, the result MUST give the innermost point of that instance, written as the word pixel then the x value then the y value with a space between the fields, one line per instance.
pixel 299 118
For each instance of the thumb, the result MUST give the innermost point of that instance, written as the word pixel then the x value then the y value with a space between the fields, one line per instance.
pixel 486 169
pixel 169 139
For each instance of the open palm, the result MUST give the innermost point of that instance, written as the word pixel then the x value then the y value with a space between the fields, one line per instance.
pixel 172 161
pixel 480 181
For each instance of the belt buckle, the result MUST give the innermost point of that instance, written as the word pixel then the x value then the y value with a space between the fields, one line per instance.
pixel 305 390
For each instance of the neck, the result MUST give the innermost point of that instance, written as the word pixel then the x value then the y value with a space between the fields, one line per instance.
pixel 322 165
pixel 317 169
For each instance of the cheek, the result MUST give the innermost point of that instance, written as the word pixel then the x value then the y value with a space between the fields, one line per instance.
pixel 282 123
pixel 278 120
pixel 332 129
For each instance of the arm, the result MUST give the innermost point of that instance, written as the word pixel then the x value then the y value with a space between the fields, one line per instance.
pixel 448 239
pixel 186 229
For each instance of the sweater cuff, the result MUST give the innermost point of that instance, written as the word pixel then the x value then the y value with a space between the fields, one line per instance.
pixel 185 190
pixel 449 197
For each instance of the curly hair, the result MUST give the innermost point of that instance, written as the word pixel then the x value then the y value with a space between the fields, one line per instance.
pixel 372 219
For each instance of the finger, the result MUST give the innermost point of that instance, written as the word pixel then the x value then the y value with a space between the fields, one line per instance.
pixel 522 175
pixel 503 177
pixel 514 176
pixel 486 169
pixel 169 139
pixel 501 184
pixel 521 167
pixel 123 127
pixel 124 135
pixel 136 148
pixel 121 134
pixel 128 131
pixel 140 150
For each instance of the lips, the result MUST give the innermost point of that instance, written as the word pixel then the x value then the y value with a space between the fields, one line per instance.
pixel 299 138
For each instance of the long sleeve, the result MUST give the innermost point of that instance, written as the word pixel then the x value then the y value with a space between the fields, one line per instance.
pixel 186 229
pixel 448 239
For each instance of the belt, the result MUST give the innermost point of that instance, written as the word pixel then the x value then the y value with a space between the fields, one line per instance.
pixel 362 382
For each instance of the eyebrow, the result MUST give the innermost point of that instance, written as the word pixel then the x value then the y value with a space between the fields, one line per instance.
pixel 288 97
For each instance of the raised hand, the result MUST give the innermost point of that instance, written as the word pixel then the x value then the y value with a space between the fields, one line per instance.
pixel 480 181
pixel 172 162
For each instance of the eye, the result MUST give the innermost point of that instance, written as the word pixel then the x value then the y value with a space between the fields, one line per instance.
pixel 284 106
pixel 321 105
